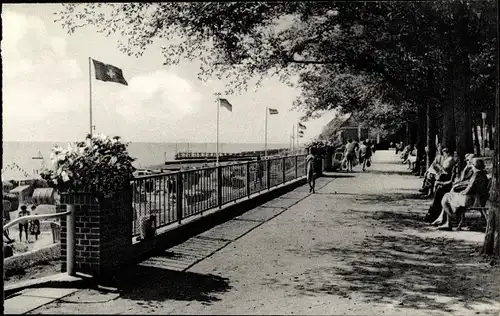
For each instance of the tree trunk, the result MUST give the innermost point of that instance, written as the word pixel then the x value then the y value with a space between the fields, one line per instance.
pixel 431 133
pixel 448 117
pixel 490 120
pixel 439 127
pixel 421 137
pixel 469 145
pixel 476 139
pixel 408 134
pixel 491 245
pixel 461 69
pixel 482 134
pixel 449 127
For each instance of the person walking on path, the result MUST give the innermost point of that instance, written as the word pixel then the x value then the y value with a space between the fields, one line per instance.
pixel 365 154
pixel 310 170
pixel 350 153
pixel 23 226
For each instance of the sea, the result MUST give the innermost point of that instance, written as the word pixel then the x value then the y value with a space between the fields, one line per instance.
pixel 18 162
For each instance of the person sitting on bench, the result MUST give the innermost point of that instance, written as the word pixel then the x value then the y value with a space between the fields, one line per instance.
pixel 411 157
pixel 454 202
pixel 405 152
pixel 443 187
pixel 440 169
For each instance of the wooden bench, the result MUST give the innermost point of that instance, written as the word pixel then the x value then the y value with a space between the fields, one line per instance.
pixel 480 204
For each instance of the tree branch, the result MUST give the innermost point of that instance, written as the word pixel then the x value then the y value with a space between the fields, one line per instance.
pixel 310 62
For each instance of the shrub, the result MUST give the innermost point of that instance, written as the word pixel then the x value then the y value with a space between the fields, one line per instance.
pixel 100 165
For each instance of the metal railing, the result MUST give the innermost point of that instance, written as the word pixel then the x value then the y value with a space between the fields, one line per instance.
pixel 70 232
pixel 177 196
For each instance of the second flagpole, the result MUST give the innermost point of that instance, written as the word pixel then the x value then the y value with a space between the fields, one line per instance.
pixel 265 148
pixel 90 94
pixel 298 136
pixel 218 105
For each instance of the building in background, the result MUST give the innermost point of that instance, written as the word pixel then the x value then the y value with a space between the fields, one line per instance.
pixel 351 128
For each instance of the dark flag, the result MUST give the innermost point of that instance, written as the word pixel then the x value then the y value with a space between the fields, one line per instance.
pixel 225 103
pixel 107 72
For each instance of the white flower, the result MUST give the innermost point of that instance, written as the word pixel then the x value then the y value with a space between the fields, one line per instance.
pixel 65 176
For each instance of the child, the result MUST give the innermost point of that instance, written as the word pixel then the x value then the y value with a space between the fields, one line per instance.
pixel 23 226
pixel 35 224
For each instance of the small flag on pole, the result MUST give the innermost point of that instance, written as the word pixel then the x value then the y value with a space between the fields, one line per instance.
pixel 225 103
pixel 302 126
pixel 273 111
pixel 107 72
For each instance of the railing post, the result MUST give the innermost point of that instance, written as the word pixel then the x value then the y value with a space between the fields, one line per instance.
pixel 284 169
pixel 248 178
pixel 268 171
pixel 70 240
pixel 219 186
pixel 178 196
pixel 296 166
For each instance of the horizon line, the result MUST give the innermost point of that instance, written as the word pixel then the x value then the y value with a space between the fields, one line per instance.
pixel 156 142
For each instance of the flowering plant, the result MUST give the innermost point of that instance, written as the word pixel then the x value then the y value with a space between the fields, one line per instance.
pixel 99 165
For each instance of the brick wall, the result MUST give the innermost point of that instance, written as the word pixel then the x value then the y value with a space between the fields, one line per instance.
pixel 103 232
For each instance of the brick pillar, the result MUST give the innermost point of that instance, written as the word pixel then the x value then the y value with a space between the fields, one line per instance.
pixel 103 232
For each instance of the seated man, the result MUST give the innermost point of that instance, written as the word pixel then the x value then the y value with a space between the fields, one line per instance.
pixel 411 158
pixel 442 187
pixel 432 171
pixel 440 169
pixel 454 202
pixel 406 151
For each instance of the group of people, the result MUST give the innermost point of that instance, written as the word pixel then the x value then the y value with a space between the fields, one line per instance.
pixel 453 188
pixel 356 152
pixel 28 227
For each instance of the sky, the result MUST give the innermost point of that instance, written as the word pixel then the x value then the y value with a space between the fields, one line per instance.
pixel 46 90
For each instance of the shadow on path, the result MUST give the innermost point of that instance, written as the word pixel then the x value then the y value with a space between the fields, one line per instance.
pixel 390 172
pixel 396 268
pixel 145 283
pixel 337 176
pixel 407 271
pixel 411 199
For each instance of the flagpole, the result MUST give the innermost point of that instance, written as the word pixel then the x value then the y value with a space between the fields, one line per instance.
pixel 298 137
pixel 90 94
pixel 265 148
pixel 218 105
